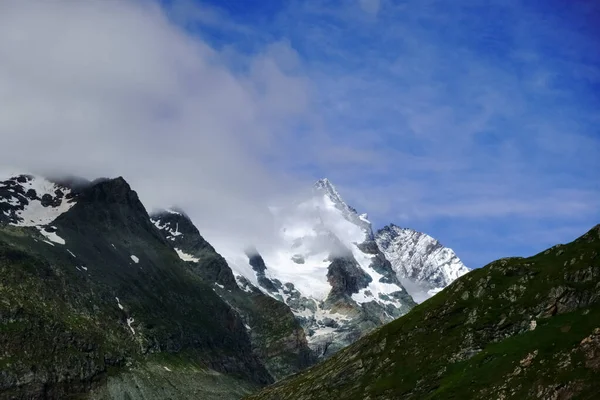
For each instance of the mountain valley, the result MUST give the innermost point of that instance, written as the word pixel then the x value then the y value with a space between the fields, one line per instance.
pixel 103 300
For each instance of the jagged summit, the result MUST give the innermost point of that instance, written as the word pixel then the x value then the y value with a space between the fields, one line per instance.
pixel 328 190
pixel 423 265
pixel 325 185
pixel 327 268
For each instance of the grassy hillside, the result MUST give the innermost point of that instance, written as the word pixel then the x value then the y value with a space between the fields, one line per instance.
pixel 518 328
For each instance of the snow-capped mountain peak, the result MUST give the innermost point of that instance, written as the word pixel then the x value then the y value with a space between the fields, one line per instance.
pixel 326 267
pixel 28 200
pixel 325 188
pixel 422 264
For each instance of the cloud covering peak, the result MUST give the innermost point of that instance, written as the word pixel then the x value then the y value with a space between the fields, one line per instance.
pixel 477 125
pixel 118 88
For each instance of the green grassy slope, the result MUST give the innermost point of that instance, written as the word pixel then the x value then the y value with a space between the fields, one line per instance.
pixel 518 328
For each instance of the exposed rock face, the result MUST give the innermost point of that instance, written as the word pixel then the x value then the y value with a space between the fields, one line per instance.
pixel 519 328
pixel 97 288
pixel 346 278
pixel 420 261
pixel 179 231
pixel 277 338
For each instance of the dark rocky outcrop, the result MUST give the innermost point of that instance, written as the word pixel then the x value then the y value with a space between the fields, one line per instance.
pixel 258 265
pixel 346 278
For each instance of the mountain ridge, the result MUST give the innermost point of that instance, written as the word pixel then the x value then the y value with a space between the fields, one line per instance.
pixel 516 328
pixel 328 269
pixel 102 288
pixel 133 295
pixel 421 262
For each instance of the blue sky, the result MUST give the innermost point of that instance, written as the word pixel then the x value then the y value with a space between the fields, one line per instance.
pixel 478 124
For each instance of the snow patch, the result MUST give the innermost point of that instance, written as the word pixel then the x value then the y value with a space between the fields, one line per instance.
pixel 376 290
pixel 176 232
pixel 242 284
pixel 363 296
pixel 135 259
pixel 186 257
pixel 119 303
pixel 51 236
pixel 532 325
pixel 173 233
pixel 129 322
pixel 34 213
pixel 71 253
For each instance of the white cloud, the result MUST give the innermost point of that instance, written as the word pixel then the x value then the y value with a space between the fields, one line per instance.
pixel 116 88
pixel 414 115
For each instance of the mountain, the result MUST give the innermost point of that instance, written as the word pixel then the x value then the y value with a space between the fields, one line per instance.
pixel 277 338
pixel 101 300
pixel 95 301
pixel 29 201
pixel 326 266
pixel 422 264
pixel 519 328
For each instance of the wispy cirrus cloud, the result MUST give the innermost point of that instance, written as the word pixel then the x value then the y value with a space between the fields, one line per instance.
pixel 447 116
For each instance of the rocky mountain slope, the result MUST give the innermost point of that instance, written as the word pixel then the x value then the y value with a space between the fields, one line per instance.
pixel 422 264
pixel 326 266
pixel 94 298
pixel 277 338
pixel 519 328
